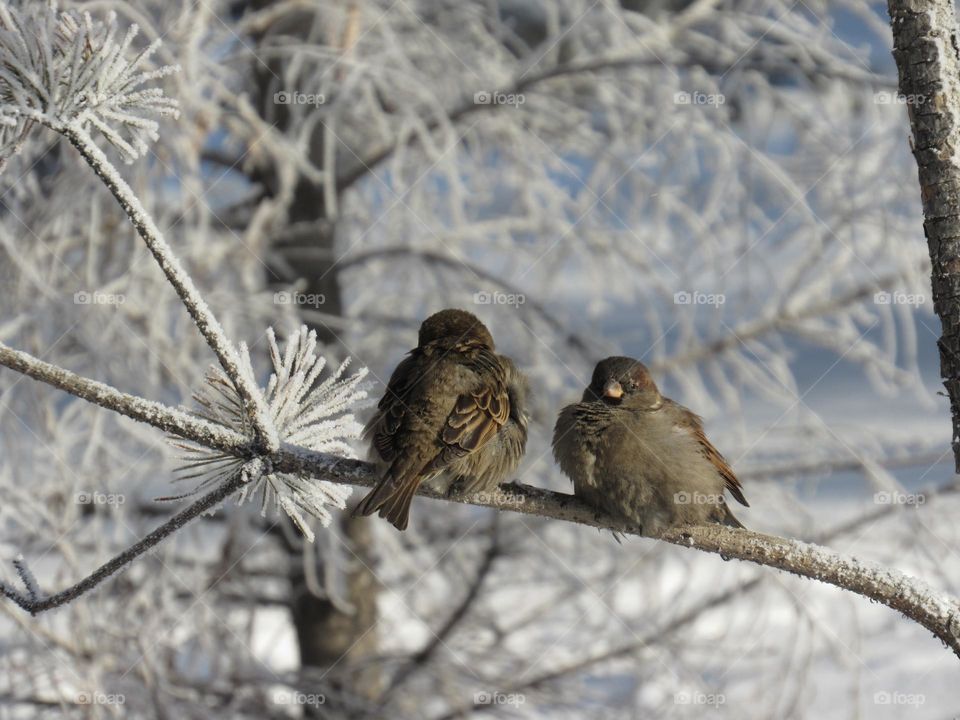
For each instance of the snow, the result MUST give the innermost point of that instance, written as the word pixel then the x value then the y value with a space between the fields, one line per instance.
pixel 795 201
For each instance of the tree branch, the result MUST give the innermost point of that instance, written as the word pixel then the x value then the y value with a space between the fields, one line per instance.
pixel 200 312
pixel 438 258
pixel 152 413
pixel 34 602
pixel 423 656
pixel 785 320
pixel 687 617
pixel 935 611
pixel 915 599
pixel 468 106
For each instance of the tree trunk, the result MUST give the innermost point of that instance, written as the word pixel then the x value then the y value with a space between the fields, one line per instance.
pixel 925 47
pixel 329 636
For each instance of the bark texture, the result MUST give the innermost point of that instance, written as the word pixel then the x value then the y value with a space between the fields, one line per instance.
pixel 925 47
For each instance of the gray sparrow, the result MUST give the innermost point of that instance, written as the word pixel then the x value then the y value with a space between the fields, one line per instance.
pixel 641 457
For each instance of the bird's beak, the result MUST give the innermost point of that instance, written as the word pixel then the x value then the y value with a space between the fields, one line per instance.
pixel 613 390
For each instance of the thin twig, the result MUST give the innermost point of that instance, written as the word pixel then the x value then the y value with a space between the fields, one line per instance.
pixel 423 656
pixel 359 169
pixel 33 602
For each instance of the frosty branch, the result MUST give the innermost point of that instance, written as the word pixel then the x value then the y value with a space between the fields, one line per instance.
pixel 290 455
pixel 69 73
pixel 34 601
pixel 910 596
pixel 203 317
pixel 468 106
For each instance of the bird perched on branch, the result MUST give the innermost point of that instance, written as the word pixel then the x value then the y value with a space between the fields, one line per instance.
pixel 453 408
pixel 641 457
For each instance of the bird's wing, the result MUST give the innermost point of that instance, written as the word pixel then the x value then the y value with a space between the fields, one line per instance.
pixel 693 423
pixel 475 419
pixel 383 426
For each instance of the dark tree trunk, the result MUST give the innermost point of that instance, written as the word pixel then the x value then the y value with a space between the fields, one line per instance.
pixel 925 47
pixel 334 642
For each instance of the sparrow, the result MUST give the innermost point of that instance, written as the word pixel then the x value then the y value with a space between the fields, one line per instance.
pixel 453 408
pixel 641 457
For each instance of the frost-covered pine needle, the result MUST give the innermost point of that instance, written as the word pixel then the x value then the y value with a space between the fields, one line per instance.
pixel 305 411
pixel 65 68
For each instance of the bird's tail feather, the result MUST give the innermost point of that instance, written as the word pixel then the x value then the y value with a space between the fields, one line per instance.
pixel 397 507
pixel 392 495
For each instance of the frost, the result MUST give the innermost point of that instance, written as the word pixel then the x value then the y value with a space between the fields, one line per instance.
pixel 305 411
pixel 598 200
pixel 67 68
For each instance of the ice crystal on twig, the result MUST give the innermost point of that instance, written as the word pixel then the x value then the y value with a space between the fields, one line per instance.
pixel 305 411
pixel 66 69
